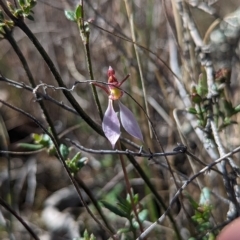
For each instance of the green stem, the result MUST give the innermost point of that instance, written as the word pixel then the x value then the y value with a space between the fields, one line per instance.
pixel 94 91
pixel 85 39
pixel 129 191
pixel 95 203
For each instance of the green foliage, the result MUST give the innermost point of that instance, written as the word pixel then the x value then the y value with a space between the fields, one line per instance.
pixel 123 208
pixel 76 163
pixel 86 236
pixel 79 12
pixel 202 88
pixel 42 141
pixel 202 215
pixel 77 16
pixel 70 15
pixel 25 10
pixel 223 108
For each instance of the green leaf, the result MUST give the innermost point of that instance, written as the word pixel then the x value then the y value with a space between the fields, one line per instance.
pixel 192 110
pixel 228 108
pixel 36 137
pixel 30 17
pixel 32 3
pixel 79 11
pixel 205 196
pixel 86 235
pixel 18 12
pixel 124 205
pixel 143 215
pixel 92 237
pixel 194 204
pixel 237 109
pixel 70 15
pixel 123 230
pixel 1 16
pixel 202 88
pixel 64 151
pixel 22 3
pixel 81 163
pixel 114 209
pixel 30 146
pixel 76 157
pixel 135 224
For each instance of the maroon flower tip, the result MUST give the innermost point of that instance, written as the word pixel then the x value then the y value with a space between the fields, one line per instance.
pixel 110 72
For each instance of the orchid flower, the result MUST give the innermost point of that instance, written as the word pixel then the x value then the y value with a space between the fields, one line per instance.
pixel 111 123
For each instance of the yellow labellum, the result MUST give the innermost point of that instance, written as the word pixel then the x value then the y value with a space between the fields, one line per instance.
pixel 115 93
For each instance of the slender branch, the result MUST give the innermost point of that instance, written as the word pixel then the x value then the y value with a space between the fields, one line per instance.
pixel 85 39
pixel 61 159
pixel 129 191
pixel 20 55
pixel 126 152
pixel 39 96
pixel 19 23
pixel 8 208
pixel 202 171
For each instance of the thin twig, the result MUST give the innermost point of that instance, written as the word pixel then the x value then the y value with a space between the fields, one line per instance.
pixel 9 209
pixel 202 171
pixel 64 164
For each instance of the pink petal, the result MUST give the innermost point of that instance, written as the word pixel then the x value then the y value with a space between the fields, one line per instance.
pixel 111 124
pixel 129 122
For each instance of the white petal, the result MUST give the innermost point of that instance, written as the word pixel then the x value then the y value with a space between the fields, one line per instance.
pixel 111 124
pixel 129 122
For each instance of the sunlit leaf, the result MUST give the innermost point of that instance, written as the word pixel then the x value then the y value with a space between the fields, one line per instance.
pixel 205 196
pixel 70 15
pixel 129 122
pixel 143 215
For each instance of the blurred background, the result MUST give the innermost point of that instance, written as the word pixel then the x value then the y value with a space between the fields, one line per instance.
pixel 40 188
